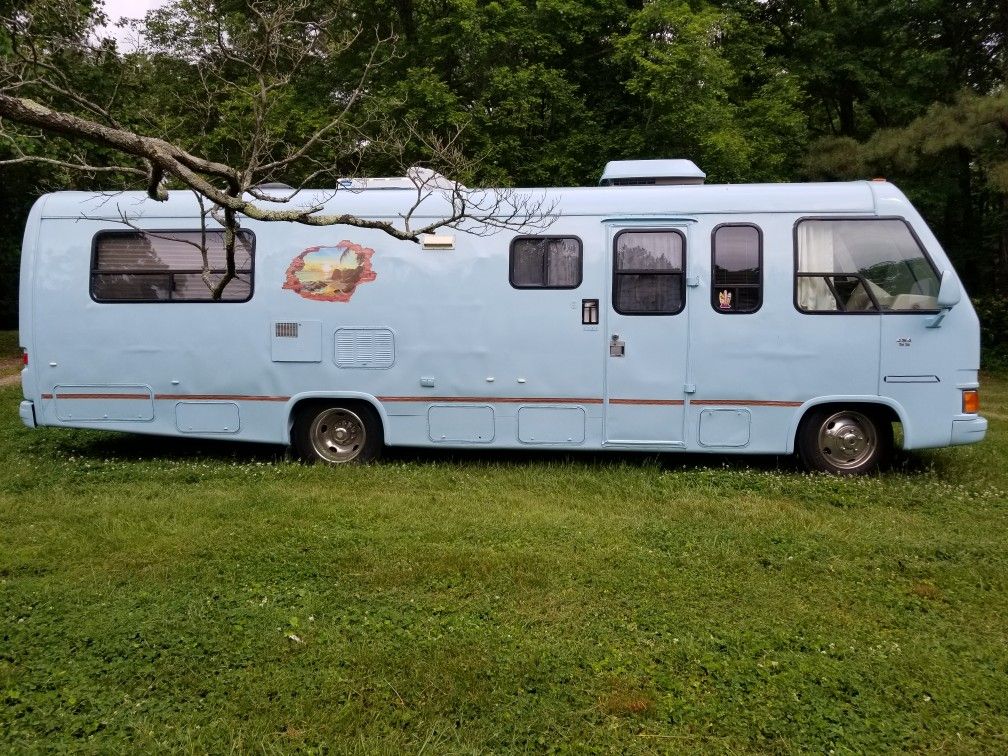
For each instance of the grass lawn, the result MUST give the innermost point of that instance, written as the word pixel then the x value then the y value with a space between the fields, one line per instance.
pixel 10 353
pixel 209 597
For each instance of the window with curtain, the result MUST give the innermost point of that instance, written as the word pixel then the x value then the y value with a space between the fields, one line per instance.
pixel 648 273
pixel 546 262
pixel 167 266
pixel 736 269
pixel 862 265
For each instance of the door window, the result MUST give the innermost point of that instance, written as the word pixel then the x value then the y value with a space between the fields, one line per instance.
pixel 649 273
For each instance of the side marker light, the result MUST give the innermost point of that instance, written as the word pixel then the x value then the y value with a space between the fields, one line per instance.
pixel 971 402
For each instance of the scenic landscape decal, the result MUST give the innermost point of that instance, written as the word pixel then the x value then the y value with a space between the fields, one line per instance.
pixel 330 274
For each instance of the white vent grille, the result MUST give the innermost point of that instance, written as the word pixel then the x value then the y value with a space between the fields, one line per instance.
pixel 365 348
pixel 286 330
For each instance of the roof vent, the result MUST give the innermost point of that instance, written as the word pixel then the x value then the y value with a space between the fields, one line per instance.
pixel 381 182
pixel 651 172
pixel 416 178
pixel 274 190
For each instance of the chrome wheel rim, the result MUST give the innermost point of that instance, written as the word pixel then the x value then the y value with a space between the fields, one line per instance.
pixel 847 439
pixel 337 435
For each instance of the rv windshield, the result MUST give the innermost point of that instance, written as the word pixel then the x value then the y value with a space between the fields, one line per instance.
pixel 864 265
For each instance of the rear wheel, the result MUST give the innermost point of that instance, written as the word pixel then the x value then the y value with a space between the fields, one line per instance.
pixel 337 434
pixel 845 441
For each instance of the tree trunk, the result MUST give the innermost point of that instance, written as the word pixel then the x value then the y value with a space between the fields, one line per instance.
pixel 1001 269
pixel 845 104
pixel 407 17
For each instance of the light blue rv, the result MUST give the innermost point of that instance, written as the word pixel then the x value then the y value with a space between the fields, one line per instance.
pixel 654 313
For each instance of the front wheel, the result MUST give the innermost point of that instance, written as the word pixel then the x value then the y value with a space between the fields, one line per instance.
pixel 844 441
pixel 337 434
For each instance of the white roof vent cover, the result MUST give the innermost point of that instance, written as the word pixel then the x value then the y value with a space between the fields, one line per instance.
pixel 651 172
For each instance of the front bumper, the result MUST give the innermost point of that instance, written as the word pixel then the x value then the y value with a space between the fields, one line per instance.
pixel 968 431
pixel 27 412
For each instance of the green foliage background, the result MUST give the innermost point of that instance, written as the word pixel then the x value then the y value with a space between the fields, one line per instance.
pixel 548 90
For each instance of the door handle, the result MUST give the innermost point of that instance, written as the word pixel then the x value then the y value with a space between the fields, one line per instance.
pixel 617 348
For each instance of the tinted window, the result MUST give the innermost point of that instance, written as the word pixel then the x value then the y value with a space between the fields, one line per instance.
pixel 648 273
pixel 546 262
pixel 736 269
pixel 868 265
pixel 167 266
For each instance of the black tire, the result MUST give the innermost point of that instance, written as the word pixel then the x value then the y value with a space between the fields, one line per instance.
pixel 845 440
pixel 337 434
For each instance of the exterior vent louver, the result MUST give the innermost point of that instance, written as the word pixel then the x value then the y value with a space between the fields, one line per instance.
pixel 365 348
pixel 638 181
pixel 286 330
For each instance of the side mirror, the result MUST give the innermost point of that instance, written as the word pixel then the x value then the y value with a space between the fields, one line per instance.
pixel 949 292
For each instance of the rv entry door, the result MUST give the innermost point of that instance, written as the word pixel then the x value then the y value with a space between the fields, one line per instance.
pixel 647 335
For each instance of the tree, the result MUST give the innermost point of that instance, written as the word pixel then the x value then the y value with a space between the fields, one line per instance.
pixel 534 83
pixel 227 97
pixel 694 71
pixel 927 84
pixel 973 128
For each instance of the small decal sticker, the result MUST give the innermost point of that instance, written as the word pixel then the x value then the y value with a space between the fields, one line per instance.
pixel 331 273
pixel 904 342
pixel 724 299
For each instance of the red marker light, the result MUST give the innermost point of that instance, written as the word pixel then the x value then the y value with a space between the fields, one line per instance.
pixel 24 358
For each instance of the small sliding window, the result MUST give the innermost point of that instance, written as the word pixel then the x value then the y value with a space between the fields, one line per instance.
pixel 736 269
pixel 546 262
pixel 167 266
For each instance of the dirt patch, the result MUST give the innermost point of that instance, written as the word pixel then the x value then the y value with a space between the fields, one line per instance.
pixel 625 700
pixel 925 590
pixel 10 370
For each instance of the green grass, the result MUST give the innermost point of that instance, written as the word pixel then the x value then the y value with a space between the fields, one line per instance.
pixel 157 595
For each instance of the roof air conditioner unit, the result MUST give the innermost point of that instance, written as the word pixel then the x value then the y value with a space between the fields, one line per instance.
pixel 651 172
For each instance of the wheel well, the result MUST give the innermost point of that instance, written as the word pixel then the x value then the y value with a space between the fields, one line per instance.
pixel 315 402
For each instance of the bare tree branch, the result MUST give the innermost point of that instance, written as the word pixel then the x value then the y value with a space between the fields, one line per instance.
pixel 73 166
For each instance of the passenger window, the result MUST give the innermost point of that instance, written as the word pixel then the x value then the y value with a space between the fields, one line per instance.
pixel 862 265
pixel 167 266
pixel 546 262
pixel 648 273
pixel 736 269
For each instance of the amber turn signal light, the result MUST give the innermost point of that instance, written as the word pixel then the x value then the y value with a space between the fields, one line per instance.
pixel 971 402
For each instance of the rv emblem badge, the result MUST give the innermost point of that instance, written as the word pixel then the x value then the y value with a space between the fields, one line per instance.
pixel 724 299
pixel 331 273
